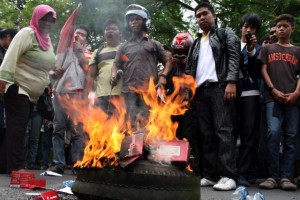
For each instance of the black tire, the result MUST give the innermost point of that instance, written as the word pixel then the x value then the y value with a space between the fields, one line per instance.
pixel 144 180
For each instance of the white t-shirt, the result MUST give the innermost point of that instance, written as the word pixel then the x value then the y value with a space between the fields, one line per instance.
pixel 206 67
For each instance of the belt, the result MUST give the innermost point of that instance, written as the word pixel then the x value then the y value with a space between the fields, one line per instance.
pixel 210 84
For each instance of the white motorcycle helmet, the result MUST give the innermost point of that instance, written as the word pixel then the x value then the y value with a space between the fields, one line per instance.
pixel 135 9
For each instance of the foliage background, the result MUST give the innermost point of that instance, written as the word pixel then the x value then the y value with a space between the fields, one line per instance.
pixel 167 16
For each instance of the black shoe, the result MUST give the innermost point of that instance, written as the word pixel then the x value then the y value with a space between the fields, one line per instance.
pixel 242 182
pixel 251 179
pixel 32 167
pixel 44 167
pixel 56 169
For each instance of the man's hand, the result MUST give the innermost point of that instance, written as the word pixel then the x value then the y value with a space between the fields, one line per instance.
pixel 251 46
pixel 291 98
pixel 162 81
pixel 279 96
pixel 113 80
pixel 230 92
pixel 58 72
pixel 2 87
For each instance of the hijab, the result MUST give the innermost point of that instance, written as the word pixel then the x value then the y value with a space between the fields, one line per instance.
pixel 39 12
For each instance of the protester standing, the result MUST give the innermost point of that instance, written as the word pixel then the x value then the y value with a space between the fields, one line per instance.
pixel 24 74
pixel 6 36
pixel 280 71
pixel 70 72
pixel 100 66
pixel 138 57
pixel 214 62
pixel 248 103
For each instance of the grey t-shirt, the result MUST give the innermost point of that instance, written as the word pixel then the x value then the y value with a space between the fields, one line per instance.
pixel 139 60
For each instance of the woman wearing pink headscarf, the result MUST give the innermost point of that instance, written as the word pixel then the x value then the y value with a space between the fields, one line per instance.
pixel 24 74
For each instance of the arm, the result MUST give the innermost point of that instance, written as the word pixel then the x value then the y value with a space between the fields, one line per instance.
pixel 162 79
pixel 234 57
pixel 119 60
pixel 278 95
pixel 80 54
pixel 91 76
pixel 21 43
pixel 291 98
pixel 113 77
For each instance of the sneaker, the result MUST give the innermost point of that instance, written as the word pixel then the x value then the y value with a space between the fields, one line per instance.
pixel 225 184
pixel 268 184
pixel 286 184
pixel 242 181
pixel 56 169
pixel 205 182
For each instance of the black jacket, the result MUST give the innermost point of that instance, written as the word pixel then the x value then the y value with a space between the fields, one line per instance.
pixel 226 50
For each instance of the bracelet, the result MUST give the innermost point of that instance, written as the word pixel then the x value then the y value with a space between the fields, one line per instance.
pixel 163 75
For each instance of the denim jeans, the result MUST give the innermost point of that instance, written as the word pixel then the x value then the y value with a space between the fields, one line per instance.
pixel 136 109
pixel 61 124
pixel 216 123
pixel 285 121
pixel 104 103
pixel 34 136
pixel 47 143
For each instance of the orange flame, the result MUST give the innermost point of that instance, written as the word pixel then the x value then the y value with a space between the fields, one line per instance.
pixel 105 134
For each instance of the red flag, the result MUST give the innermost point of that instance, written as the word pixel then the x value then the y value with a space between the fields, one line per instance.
pixel 66 33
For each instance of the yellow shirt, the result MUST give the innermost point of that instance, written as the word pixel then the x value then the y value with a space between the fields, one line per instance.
pixel 103 87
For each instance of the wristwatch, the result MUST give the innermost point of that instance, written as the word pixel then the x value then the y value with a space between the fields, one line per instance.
pixel 271 88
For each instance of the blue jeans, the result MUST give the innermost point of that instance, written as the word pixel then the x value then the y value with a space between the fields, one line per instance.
pixel 61 124
pixel 34 136
pixel 47 143
pixel 288 116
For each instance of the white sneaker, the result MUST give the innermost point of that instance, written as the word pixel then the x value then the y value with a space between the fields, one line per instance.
pixel 225 184
pixel 205 182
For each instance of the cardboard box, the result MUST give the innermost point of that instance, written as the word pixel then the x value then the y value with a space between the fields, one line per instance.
pixel 47 196
pixel 173 151
pixel 131 149
pixel 20 178
pixel 36 183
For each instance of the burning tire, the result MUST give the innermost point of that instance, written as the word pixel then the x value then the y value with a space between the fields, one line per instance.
pixel 143 180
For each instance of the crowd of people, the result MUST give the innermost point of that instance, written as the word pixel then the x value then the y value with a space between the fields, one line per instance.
pixel 244 113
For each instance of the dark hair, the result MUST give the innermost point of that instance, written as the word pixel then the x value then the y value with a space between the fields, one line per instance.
pixel 286 17
pixel 9 31
pixel 272 24
pixel 84 27
pixel 206 5
pixel 264 38
pixel 252 19
pixel 112 22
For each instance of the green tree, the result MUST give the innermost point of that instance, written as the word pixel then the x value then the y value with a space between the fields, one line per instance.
pixel 166 15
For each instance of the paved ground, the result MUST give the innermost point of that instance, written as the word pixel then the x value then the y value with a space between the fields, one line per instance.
pixel 7 193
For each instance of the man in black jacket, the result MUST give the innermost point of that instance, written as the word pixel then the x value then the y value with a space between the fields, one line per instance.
pixel 214 62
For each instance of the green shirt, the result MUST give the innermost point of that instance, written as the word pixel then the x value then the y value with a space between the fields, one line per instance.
pixel 26 65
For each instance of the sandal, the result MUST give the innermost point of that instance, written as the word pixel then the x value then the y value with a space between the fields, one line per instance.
pixel 270 183
pixel 286 184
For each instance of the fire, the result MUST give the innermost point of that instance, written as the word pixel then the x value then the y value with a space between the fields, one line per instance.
pixel 105 134
pixel 160 125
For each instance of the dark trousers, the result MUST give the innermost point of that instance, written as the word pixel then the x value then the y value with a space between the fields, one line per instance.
pixel 18 108
pixel 216 123
pixel 248 129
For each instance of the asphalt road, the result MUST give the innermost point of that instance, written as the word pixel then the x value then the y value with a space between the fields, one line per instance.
pixel 55 183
